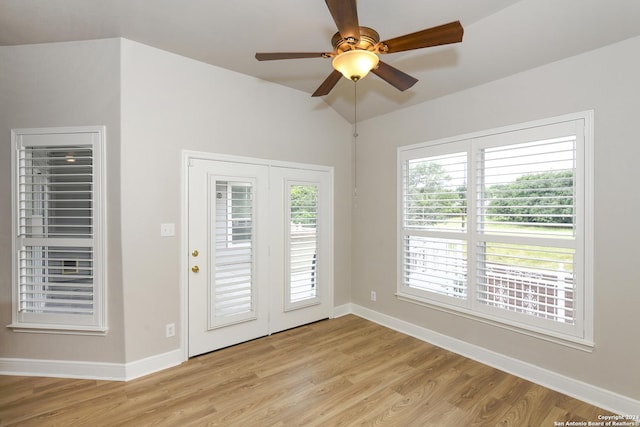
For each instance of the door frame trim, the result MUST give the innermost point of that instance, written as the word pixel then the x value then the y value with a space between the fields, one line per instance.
pixel 186 157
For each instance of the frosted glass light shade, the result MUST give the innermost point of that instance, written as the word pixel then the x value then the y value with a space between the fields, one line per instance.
pixel 355 64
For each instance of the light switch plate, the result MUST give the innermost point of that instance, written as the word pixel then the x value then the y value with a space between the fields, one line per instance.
pixel 167 229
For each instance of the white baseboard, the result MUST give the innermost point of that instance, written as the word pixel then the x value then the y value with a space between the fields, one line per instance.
pixel 90 370
pixel 589 393
pixel 343 310
pixel 127 371
pixel 152 364
pixel 62 369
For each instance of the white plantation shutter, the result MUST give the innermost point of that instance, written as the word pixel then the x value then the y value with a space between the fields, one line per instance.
pixel 435 193
pixel 435 265
pixel 57 267
pixel 434 226
pixel 233 290
pixel 495 226
pixel 507 280
pixel 526 218
pixel 529 184
pixel 302 246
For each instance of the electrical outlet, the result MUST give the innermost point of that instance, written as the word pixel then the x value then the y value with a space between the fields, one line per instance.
pixel 171 330
pixel 373 296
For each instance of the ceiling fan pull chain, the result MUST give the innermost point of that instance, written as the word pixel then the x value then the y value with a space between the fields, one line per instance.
pixel 355 109
pixel 355 139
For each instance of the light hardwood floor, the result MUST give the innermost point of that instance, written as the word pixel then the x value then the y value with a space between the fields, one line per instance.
pixel 340 372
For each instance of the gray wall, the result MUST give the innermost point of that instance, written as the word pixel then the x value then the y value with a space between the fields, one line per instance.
pixel 605 80
pixel 52 85
pixel 171 103
pixel 154 105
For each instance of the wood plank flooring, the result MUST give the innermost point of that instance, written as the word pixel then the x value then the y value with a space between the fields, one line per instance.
pixel 340 372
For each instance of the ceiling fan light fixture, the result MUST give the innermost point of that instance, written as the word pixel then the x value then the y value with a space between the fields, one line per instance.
pixel 355 64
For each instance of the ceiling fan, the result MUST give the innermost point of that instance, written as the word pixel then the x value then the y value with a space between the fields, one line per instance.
pixel 356 49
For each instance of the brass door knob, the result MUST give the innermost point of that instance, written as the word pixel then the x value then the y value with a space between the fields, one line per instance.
pixel 195 268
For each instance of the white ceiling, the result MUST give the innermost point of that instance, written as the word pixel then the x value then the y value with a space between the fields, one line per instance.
pixel 502 37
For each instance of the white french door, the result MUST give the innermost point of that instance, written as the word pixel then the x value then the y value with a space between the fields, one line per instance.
pixel 227 238
pixel 260 250
pixel 301 234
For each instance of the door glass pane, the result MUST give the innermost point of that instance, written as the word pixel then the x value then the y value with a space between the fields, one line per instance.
pixel 232 288
pixel 303 243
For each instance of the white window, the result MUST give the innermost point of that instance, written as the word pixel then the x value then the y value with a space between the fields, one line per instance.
pixel 496 226
pixel 58 228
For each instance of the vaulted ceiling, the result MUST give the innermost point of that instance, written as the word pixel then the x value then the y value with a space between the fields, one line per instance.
pixel 502 37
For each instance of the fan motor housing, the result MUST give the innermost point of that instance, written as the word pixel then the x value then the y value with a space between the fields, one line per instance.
pixel 369 38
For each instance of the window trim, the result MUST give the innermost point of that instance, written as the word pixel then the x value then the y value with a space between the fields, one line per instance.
pixel 98 325
pixel 582 338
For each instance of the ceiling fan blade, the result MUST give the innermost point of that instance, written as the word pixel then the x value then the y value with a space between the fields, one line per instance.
pixel 328 84
pixel 398 79
pixel 289 55
pixel 436 36
pixel 345 15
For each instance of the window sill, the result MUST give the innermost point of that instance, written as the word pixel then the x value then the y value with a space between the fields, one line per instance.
pixel 57 329
pixel 567 341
